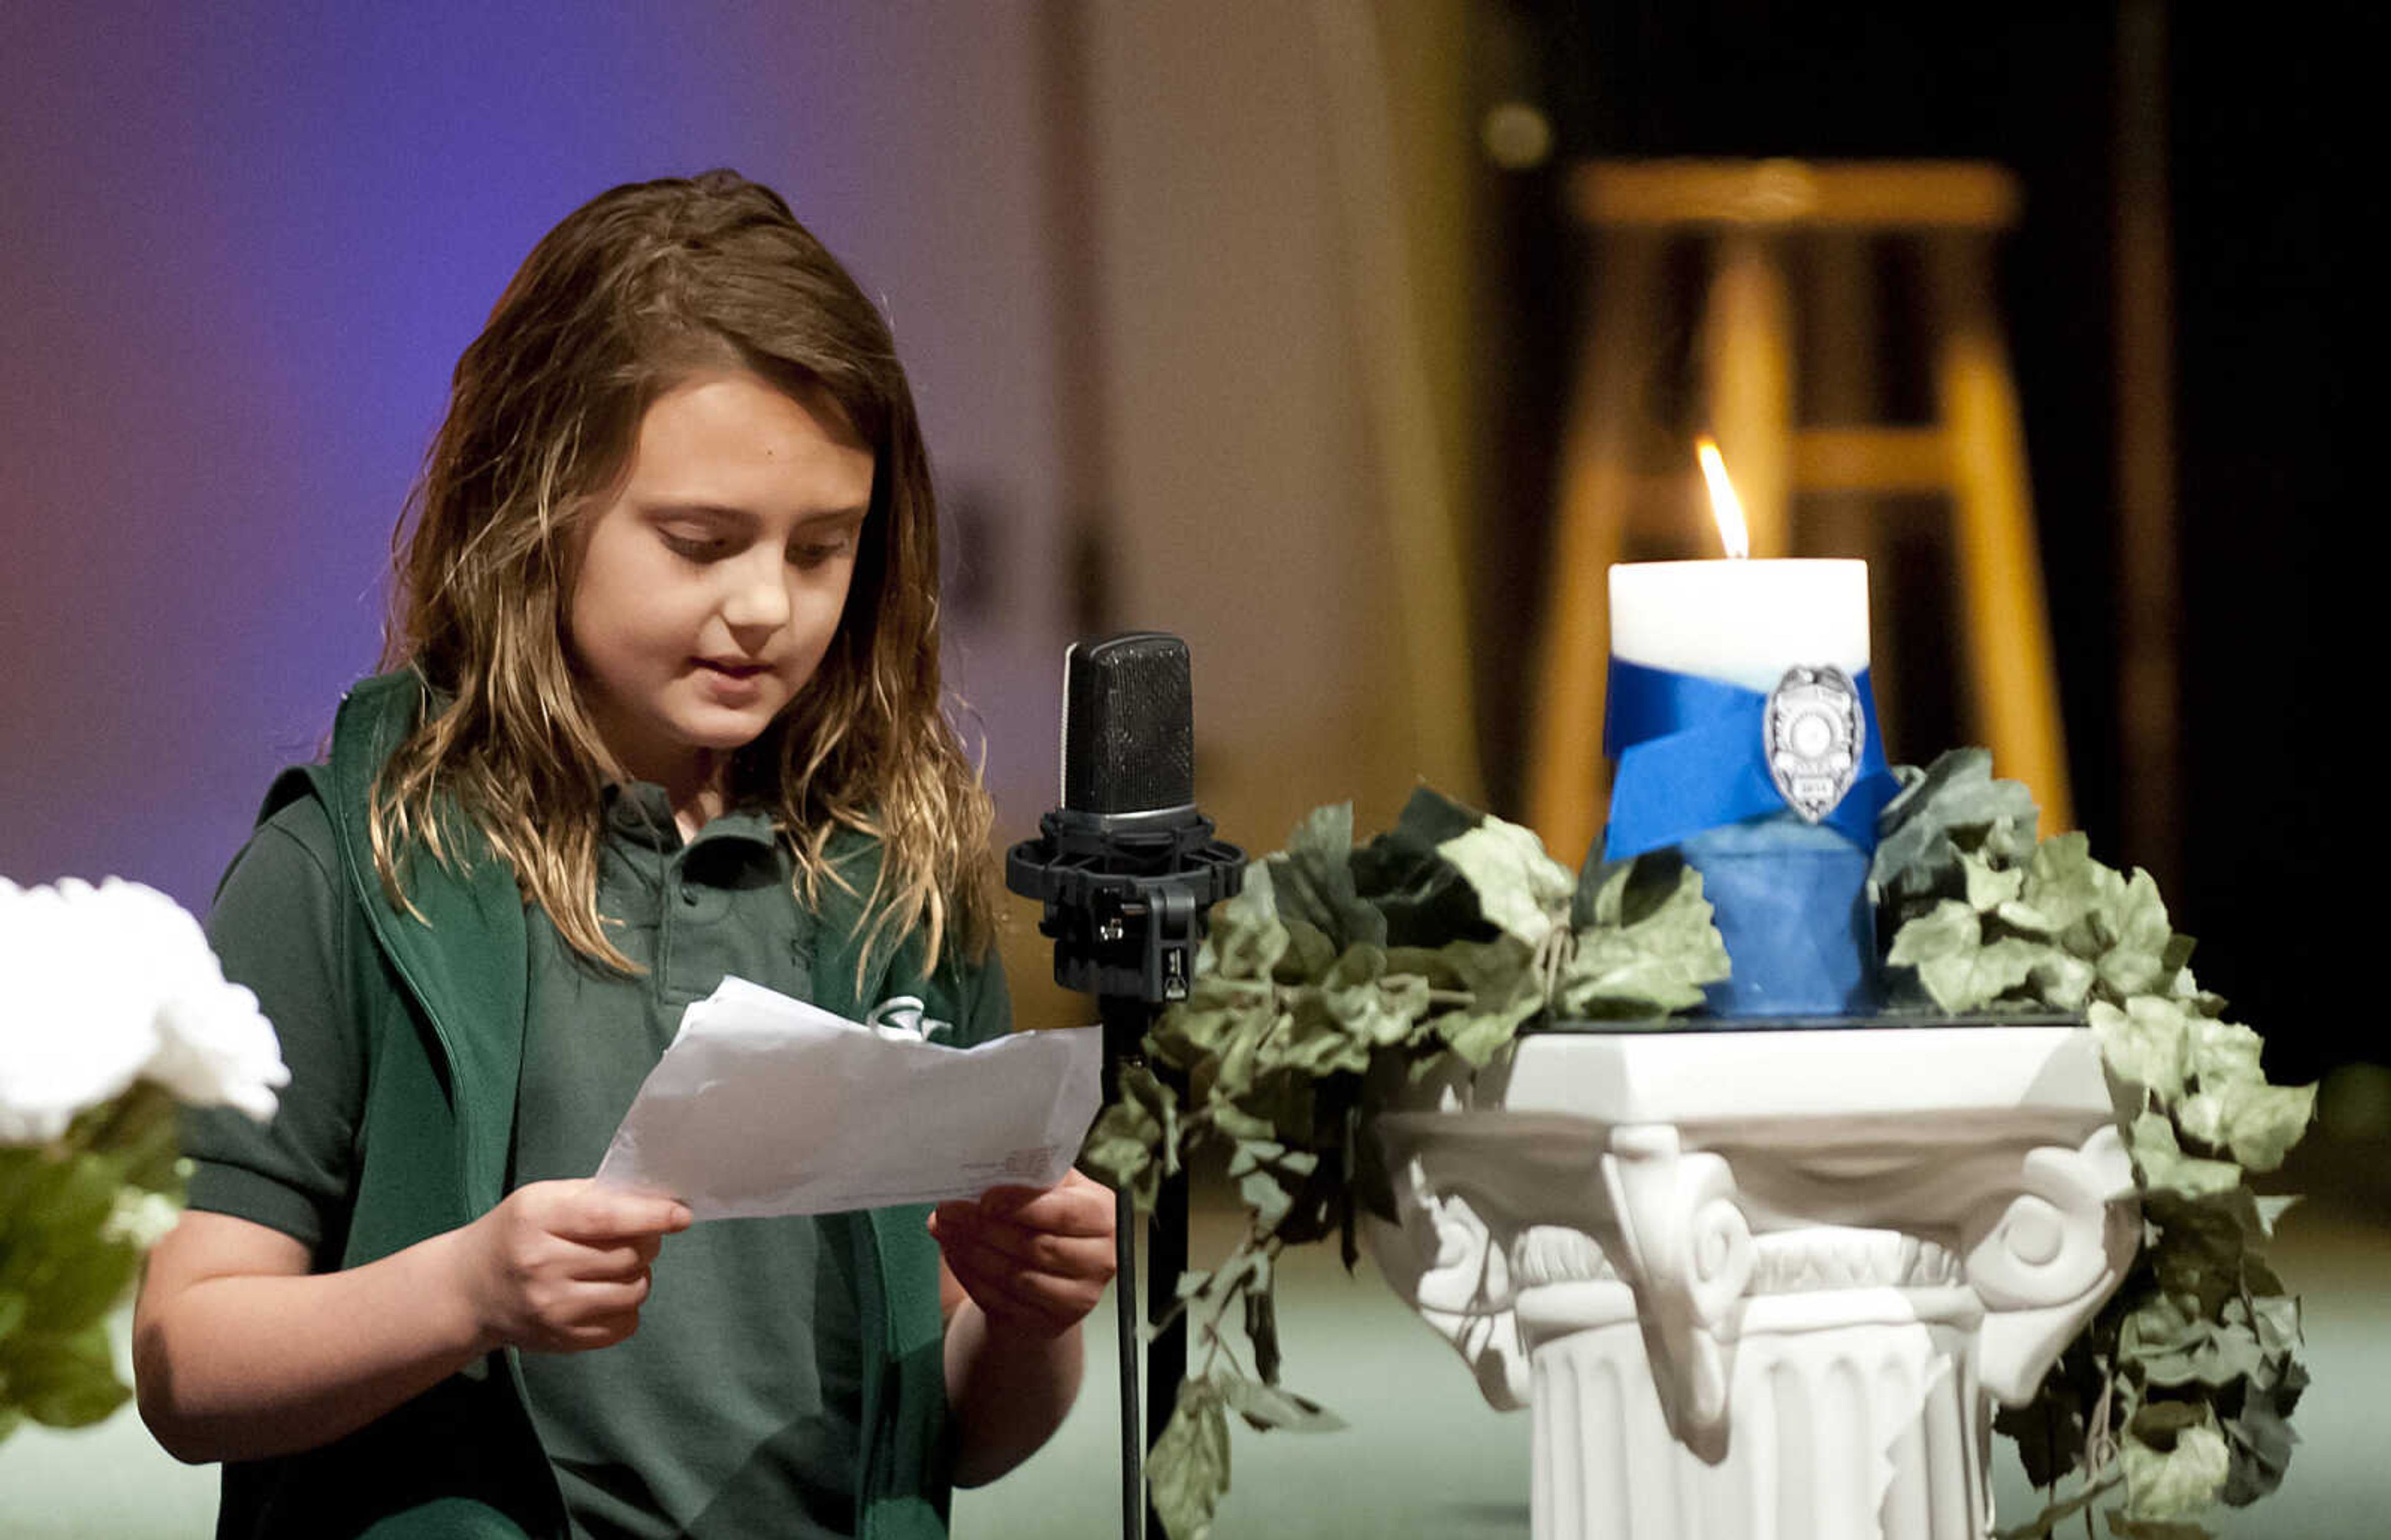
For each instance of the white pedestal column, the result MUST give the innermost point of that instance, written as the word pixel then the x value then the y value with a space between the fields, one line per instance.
pixel 1763 1284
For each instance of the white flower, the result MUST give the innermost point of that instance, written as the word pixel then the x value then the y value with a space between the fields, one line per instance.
pixel 102 986
pixel 140 1217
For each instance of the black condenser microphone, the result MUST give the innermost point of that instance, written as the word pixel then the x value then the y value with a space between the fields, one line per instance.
pixel 1127 869
pixel 1127 866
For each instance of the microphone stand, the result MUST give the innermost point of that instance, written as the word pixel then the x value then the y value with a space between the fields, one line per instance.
pixel 1126 907
pixel 1126 1022
pixel 1126 870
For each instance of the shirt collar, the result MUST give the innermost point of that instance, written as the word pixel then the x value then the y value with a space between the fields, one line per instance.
pixel 640 812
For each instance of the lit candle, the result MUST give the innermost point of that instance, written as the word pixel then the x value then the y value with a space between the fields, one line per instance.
pixel 1738 620
pixel 1741 622
pixel 1738 691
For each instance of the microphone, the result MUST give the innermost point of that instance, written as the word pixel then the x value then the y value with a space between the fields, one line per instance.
pixel 1127 867
pixel 1126 870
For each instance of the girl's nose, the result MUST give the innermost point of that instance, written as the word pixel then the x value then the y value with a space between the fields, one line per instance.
pixel 757 602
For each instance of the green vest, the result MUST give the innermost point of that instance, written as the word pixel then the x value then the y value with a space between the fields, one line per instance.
pixel 441 1001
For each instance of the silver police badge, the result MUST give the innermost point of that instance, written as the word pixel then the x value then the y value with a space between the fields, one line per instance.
pixel 1812 734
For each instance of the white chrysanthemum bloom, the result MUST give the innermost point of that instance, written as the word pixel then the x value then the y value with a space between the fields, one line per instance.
pixel 102 986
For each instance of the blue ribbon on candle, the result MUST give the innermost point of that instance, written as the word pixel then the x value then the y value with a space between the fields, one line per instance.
pixel 1692 757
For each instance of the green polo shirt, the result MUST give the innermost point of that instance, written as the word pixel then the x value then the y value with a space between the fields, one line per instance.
pixel 735 1410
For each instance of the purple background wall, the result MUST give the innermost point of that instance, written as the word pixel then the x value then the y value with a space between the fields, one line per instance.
pixel 243 247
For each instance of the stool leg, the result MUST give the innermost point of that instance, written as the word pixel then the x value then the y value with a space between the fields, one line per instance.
pixel 1839 351
pixel 1568 780
pixel 2006 623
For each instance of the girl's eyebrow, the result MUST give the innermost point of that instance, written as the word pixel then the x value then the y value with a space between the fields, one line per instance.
pixel 725 513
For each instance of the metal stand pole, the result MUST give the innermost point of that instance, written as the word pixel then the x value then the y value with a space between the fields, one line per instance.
pixel 1125 1021
pixel 1125 1327
pixel 1165 1356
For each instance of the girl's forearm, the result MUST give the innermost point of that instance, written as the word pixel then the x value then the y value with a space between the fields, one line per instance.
pixel 1008 1389
pixel 245 1365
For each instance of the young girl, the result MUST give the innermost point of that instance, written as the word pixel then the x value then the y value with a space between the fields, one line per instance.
pixel 662 706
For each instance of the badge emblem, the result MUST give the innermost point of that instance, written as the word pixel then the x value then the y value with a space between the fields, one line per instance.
pixel 1812 734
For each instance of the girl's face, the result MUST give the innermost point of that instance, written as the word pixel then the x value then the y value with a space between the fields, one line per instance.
pixel 709 589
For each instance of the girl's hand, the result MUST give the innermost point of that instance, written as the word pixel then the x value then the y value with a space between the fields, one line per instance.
pixel 1033 1260
pixel 562 1266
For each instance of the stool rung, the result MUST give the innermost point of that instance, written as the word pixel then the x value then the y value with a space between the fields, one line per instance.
pixel 1871 459
pixel 1868 196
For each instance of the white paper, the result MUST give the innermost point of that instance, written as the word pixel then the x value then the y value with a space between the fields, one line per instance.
pixel 766 1105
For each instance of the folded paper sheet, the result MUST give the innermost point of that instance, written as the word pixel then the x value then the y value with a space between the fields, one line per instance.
pixel 766 1105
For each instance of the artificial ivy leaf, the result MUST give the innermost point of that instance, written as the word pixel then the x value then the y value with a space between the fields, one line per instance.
pixel 1424 898
pixel 1430 818
pixel 2276 1318
pixel 2165 1167
pixel 2261 1434
pixel 1504 993
pixel 2147 1042
pixel 1267 1407
pixel 1989 887
pixel 1310 953
pixel 1309 1040
pixel 2223 1053
pixel 1313 881
pixel 1951 929
pixel 2121 1527
pixel 1246 939
pixel 2177 1347
pixel 2135 962
pixel 1960 969
pixel 2257 1124
pixel 1269 1198
pixel 1187 1470
pixel 2060 981
pixel 1373 1006
pixel 2174 1460
pixel 1270 1176
pixel 1217 1013
pixel 1625 893
pixel 1522 891
pixel 2049 1431
pixel 2065 885
pixel 1971 981
pixel 2204 1246
pixel 2023 917
pixel 1955 804
pixel 1261 1333
pixel 1135 1141
pixel 1648 966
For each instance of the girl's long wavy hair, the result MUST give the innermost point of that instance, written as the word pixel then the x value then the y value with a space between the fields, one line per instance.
pixel 633 292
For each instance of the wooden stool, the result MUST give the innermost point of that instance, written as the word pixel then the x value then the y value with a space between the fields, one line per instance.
pixel 1739 215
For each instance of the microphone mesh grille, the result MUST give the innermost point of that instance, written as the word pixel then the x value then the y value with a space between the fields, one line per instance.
pixel 1129 736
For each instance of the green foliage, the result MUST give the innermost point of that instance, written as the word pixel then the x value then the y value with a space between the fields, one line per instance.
pixel 2179 1392
pixel 72 1224
pixel 1341 973
pixel 1339 968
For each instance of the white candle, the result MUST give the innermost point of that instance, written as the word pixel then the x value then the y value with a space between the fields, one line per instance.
pixel 1744 623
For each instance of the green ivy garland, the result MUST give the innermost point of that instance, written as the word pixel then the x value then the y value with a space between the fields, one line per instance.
pixel 1343 973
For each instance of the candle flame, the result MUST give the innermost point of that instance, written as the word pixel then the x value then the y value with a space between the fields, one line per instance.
pixel 1725 506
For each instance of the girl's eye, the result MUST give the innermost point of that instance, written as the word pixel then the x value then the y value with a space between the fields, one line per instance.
pixel 814 552
pixel 693 548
